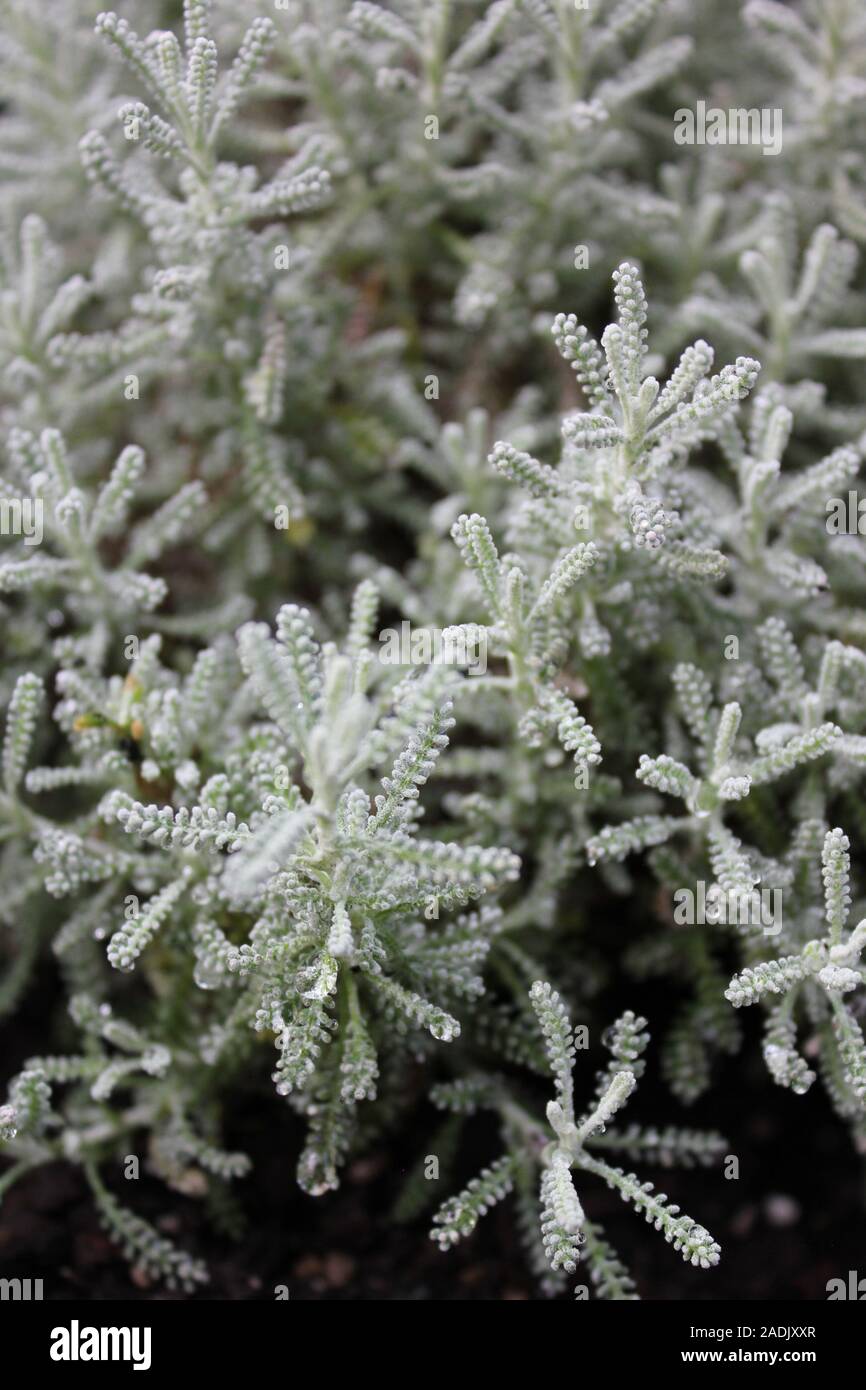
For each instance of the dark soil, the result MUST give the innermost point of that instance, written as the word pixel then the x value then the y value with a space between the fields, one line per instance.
pixel 793 1220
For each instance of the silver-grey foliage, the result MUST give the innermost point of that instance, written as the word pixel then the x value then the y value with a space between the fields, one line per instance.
pixel 318 318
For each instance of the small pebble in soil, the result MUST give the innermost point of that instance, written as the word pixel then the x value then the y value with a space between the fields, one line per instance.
pixel 364 1170
pixel 780 1210
pixel 339 1269
pixel 308 1267
pixel 331 1271
pixel 743 1222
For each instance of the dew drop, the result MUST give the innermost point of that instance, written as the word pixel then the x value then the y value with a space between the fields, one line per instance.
pixel 203 977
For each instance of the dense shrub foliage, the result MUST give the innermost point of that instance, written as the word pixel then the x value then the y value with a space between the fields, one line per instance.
pixel 429 542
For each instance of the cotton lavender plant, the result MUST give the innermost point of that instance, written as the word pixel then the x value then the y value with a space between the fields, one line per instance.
pixel 322 321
